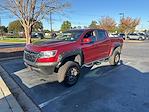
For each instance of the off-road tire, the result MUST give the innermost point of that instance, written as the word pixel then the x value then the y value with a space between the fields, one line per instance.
pixel 71 71
pixel 115 58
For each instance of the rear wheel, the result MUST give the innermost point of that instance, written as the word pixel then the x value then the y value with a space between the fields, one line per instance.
pixel 115 58
pixel 128 38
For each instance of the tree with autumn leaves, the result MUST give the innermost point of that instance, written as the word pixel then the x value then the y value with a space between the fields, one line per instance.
pixel 126 25
pixel 107 23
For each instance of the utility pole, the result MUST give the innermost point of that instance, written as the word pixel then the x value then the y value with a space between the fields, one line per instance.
pixel 51 22
pixel 50 12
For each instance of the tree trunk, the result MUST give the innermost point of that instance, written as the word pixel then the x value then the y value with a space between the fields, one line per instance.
pixel 28 31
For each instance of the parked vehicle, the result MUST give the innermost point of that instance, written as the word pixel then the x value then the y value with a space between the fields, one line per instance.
pixel 147 35
pixel 143 34
pixel 53 35
pixel 122 35
pixel 38 35
pixel 114 35
pixel 65 56
pixel 117 35
pixel 136 36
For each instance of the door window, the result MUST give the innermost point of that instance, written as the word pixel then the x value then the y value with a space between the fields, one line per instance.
pixel 92 35
pixel 101 35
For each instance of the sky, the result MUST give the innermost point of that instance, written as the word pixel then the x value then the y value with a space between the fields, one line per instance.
pixel 82 12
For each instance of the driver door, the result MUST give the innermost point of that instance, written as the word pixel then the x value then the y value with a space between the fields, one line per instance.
pixel 90 49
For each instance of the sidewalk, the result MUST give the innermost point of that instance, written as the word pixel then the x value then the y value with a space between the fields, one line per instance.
pixel 7 101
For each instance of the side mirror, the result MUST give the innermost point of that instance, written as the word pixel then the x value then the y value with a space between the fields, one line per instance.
pixel 87 40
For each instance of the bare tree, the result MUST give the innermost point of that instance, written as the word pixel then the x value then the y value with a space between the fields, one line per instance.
pixel 128 25
pixel 31 11
pixel 107 23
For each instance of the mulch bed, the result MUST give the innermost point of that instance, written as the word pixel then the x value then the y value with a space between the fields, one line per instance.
pixel 11 52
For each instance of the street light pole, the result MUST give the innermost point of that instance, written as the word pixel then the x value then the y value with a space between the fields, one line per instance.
pixel 147 28
pixel 122 14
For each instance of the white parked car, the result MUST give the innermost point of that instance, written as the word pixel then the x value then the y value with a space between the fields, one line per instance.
pixel 136 36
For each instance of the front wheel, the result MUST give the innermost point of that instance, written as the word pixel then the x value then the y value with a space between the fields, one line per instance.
pixel 140 38
pixel 115 58
pixel 71 72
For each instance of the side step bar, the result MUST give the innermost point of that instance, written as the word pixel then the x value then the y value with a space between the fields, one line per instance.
pixel 98 62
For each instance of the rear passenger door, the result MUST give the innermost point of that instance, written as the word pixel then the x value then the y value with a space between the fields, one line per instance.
pixel 103 44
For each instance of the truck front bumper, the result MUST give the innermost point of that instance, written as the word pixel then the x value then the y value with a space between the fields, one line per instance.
pixel 45 68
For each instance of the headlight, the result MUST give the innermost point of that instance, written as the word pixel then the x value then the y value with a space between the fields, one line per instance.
pixel 47 54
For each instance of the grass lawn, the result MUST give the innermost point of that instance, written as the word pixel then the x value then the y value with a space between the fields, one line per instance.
pixel 16 40
pixel 12 40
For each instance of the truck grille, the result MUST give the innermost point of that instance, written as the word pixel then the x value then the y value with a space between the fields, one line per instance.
pixel 30 56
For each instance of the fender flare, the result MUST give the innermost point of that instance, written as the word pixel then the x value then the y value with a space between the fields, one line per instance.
pixel 115 46
pixel 65 55
pixel 71 53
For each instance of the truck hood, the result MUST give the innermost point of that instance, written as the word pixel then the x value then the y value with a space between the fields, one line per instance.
pixel 48 45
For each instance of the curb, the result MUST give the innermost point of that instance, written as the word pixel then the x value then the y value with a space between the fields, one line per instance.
pixel 9 98
pixel 23 100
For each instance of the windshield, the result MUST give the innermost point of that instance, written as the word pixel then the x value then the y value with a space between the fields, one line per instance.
pixel 70 35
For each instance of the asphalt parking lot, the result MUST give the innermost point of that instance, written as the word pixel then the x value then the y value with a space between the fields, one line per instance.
pixel 103 89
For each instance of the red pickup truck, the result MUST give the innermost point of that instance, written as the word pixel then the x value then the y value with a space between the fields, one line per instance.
pixel 66 54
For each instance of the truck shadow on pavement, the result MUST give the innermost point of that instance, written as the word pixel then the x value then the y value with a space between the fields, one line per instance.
pixel 106 87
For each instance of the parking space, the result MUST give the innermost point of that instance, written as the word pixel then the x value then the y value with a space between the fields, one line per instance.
pixel 103 88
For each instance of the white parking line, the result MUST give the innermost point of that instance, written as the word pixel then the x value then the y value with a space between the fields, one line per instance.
pixel 53 99
pixel 32 78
